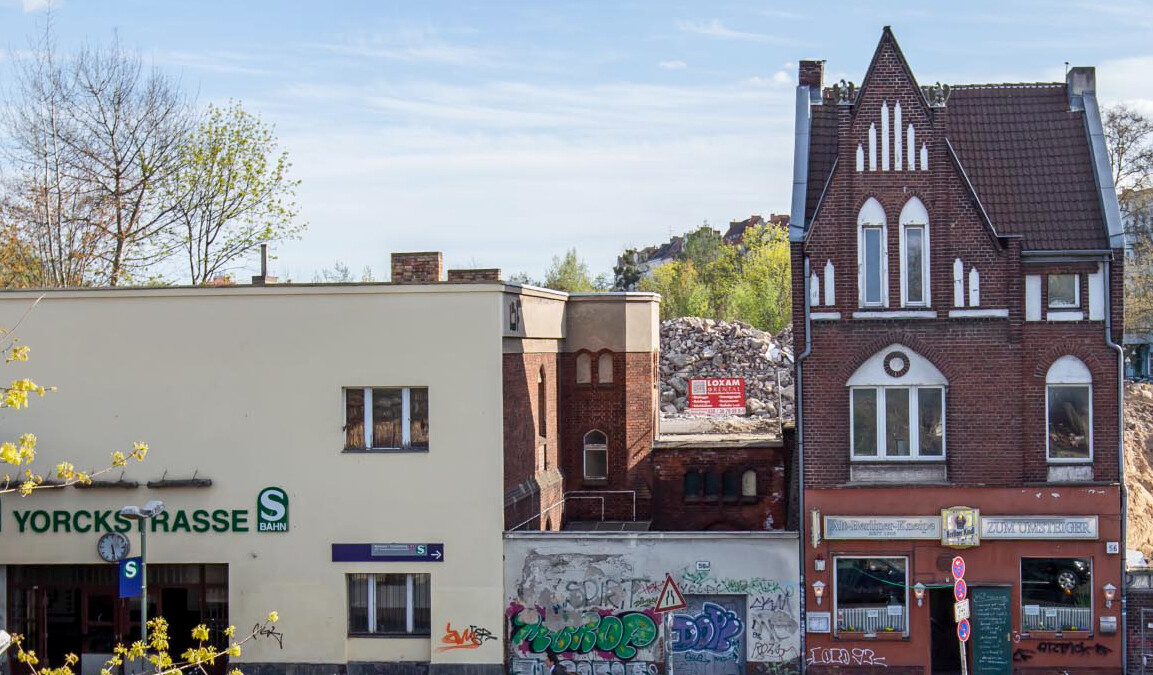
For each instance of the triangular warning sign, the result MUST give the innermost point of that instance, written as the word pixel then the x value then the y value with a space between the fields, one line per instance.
pixel 670 597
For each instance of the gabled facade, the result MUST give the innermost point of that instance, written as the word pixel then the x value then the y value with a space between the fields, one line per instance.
pixel 957 258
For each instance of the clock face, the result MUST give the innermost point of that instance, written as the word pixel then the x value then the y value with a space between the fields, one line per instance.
pixel 112 546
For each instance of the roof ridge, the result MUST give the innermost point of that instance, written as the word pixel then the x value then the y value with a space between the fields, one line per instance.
pixel 1010 85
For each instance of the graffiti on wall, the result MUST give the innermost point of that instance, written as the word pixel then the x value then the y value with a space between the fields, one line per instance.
pixel 858 656
pixel 469 638
pixel 621 634
pixel 714 629
pixel 1023 655
pixel 527 666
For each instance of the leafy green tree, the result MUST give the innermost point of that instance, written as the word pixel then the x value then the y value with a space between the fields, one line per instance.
pixel 763 295
pixel 627 273
pixel 681 289
pixel 232 192
pixel 570 273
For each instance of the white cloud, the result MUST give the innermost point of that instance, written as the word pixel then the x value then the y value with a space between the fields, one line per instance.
pixel 217 62
pixel 40 5
pixel 409 44
pixel 716 28
pixel 673 65
pixel 1126 80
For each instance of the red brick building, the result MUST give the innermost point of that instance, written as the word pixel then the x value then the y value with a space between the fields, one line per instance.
pixel 957 258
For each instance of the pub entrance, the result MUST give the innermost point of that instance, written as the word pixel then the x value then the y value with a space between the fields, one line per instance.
pixel 75 609
pixel 945 647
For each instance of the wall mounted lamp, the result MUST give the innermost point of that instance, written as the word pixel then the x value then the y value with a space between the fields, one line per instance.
pixel 1110 593
pixel 919 592
pixel 819 590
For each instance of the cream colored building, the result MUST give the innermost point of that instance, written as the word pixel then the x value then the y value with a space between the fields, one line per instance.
pixel 244 388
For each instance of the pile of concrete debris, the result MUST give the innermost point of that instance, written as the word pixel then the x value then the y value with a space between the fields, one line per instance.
pixel 694 347
pixel 1139 465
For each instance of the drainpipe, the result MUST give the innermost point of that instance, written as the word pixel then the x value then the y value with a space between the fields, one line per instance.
pixel 802 515
pixel 1121 455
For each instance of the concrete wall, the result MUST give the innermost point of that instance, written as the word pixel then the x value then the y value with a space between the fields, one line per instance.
pixel 567 592
pixel 244 386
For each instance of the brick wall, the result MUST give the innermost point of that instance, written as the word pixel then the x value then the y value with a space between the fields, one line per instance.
pixel 811 73
pixel 485 274
pixel 673 510
pixel 532 476
pixel 417 268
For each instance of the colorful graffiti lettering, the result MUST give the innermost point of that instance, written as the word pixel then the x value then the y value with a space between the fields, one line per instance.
pixel 469 638
pixel 845 657
pixel 620 634
pixel 525 666
pixel 715 629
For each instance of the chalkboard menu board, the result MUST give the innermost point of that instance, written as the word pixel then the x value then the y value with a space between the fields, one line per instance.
pixel 992 654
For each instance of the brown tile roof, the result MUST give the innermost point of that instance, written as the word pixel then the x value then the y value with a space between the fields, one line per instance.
pixel 822 153
pixel 1027 156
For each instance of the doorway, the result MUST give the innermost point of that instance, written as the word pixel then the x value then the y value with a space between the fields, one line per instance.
pixel 945 649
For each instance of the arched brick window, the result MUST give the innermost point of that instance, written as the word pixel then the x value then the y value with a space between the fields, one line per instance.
pixel 596 455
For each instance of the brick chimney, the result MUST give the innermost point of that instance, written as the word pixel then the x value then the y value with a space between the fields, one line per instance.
pixel 422 267
pixel 474 275
pixel 811 73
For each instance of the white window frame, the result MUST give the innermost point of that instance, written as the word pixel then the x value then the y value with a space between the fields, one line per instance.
pixel 405 414
pixel 595 447
pixel 1076 292
pixel 908 618
pixel 410 604
pixel 1069 371
pixel 871 212
pixel 915 215
pixel 914 426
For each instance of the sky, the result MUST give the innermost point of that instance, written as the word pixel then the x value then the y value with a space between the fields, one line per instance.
pixel 504 133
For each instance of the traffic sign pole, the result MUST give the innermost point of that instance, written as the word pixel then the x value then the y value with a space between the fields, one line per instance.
pixel 960 591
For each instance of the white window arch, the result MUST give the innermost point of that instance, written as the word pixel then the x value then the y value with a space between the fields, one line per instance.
pixel 914 222
pixel 1069 411
pixel 584 368
pixel 897 408
pixel 605 368
pixel 596 455
pixel 873 255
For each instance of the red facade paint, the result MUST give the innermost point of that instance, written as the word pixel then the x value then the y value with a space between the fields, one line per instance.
pixel 995 411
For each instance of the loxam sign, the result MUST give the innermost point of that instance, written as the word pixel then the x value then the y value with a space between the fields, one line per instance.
pixel 271 516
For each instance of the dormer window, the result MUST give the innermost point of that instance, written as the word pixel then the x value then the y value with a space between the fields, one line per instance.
pixel 872 255
pixel 914 254
pixel 1064 291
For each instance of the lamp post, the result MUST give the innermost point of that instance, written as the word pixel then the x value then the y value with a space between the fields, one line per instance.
pixel 143 514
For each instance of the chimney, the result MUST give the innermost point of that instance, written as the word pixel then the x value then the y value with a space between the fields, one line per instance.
pixel 1081 79
pixel 474 275
pixel 263 279
pixel 811 73
pixel 423 267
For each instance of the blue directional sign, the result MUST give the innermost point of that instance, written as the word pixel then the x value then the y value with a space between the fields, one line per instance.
pixel 131 577
pixel 388 552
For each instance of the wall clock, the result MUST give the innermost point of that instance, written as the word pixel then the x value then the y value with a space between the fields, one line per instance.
pixel 113 546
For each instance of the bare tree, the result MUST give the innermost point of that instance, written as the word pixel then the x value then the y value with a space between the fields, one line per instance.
pixel 1129 138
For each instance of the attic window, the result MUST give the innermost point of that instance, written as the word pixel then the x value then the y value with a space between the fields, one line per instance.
pixel 1064 291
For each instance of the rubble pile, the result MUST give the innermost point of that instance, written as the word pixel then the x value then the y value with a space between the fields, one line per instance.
pixel 695 347
pixel 1139 465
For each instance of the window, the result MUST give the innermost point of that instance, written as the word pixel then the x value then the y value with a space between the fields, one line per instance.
pixel 898 422
pixel 749 484
pixel 541 404
pixel 388 604
pixel 897 407
pixel 596 451
pixel 914 254
pixel 692 484
pixel 386 419
pixel 1064 291
pixel 1069 410
pixel 1056 594
pixel 872 254
pixel 712 485
pixel 731 485
pixel 605 369
pixel 584 368
pixel 871 595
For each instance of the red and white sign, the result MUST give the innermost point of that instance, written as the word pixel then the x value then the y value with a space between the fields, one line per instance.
pixel 670 597
pixel 717 395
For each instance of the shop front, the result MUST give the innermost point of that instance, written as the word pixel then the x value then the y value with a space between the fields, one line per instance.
pixel 1040 571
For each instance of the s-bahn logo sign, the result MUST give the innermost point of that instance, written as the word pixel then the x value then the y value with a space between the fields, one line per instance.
pixel 271 516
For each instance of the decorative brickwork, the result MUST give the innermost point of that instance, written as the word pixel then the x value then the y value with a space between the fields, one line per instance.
pixel 417 268
pixel 532 478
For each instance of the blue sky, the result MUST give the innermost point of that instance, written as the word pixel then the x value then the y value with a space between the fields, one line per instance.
pixel 503 133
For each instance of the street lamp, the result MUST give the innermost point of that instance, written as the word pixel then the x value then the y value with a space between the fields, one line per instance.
pixel 143 514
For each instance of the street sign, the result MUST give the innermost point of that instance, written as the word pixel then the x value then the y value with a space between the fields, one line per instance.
pixel 958 567
pixel 131 578
pixel 670 597
pixel 960 610
pixel 388 553
pixel 963 630
pixel 960 590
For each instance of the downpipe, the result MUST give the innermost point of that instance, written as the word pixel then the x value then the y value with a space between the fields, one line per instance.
pixel 1124 628
pixel 801 514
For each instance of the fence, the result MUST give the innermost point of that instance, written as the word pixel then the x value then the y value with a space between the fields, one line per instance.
pixel 1040 617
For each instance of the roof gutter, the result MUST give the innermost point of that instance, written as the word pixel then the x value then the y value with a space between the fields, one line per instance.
pixel 1068 255
pixel 797 222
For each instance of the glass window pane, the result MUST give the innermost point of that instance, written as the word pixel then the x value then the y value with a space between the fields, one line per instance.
pixel 693 484
pixel 872 265
pixel 712 484
pixel 386 416
pixel 865 422
pixel 930 422
pixel 1056 594
pixel 1069 422
pixel 421 603
pixel 870 595
pixel 897 423
pixel 391 603
pixel 914 264
pixel 596 461
pixel 418 407
pixel 354 418
pixel 1063 290
pixel 358 603
pixel 731 484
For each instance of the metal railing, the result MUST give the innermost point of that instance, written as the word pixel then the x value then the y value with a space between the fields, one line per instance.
pixel 1057 618
pixel 582 494
pixel 872 619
